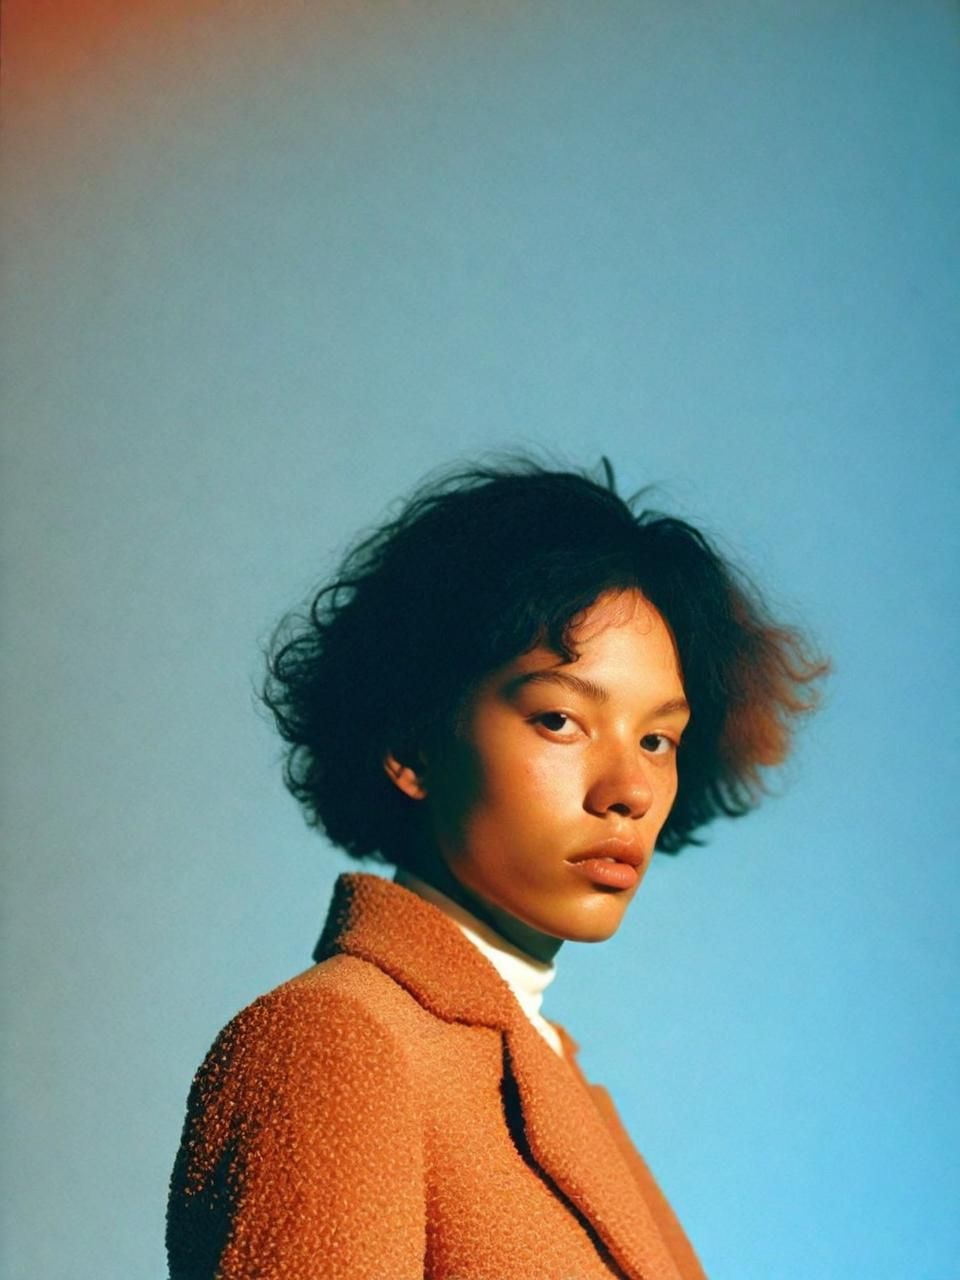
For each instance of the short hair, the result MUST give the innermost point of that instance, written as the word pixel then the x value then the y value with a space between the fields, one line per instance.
pixel 481 565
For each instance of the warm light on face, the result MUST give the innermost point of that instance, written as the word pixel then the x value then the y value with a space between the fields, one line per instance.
pixel 552 759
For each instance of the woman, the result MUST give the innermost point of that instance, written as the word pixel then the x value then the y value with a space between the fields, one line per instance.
pixel 511 694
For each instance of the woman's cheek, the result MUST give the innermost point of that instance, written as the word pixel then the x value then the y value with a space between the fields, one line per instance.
pixel 554 775
pixel 667 793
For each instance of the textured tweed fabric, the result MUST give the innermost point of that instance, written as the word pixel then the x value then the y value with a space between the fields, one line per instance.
pixel 392 1114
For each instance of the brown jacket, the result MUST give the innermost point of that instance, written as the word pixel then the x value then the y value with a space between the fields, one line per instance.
pixel 392 1114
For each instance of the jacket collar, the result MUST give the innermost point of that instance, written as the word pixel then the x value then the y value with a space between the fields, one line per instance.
pixel 414 942
pixel 418 946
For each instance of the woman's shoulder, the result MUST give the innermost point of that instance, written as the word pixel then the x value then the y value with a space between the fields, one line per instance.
pixel 306 1097
pixel 326 1019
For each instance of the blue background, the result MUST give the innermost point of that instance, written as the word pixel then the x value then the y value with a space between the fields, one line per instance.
pixel 268 264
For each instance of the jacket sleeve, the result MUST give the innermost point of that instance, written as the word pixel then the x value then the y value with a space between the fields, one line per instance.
pixel 301 1153
pixel 676 1240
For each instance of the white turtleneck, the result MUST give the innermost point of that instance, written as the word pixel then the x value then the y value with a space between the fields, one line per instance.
pixel 526 978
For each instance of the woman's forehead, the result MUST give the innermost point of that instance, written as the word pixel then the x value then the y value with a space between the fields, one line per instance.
pixel 614 608
pixel 622 637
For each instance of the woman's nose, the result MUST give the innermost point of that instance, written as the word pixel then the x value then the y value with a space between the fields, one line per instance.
pixel 621 786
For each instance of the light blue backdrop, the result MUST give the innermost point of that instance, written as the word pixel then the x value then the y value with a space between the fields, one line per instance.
pixel 266 268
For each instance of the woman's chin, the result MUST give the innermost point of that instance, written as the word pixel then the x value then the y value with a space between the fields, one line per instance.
pixel 592 921
pixel 593 931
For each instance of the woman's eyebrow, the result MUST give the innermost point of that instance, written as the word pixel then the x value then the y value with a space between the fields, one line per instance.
pixel 578 684
pixel 588 688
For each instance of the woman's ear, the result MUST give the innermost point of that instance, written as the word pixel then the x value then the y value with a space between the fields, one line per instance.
pixel 405 776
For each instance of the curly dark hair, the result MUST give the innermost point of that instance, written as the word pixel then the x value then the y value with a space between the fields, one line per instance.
pixel 481 565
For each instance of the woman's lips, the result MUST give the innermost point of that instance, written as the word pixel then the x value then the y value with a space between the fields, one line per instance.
pixel 613 875
pixel 613 862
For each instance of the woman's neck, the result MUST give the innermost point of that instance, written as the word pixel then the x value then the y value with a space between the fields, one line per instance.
pixel 539 946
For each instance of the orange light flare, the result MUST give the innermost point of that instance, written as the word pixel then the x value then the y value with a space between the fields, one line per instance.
pixel 82 75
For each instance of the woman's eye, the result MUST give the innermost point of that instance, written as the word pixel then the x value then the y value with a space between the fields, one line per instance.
pixel 657 744
pixel 555 721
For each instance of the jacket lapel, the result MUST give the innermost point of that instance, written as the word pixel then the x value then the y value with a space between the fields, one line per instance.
pixel 573 1146
pixel 421 948
pixel 417 945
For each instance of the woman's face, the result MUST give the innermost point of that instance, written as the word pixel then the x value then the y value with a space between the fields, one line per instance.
pixel 552 760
